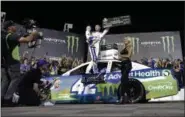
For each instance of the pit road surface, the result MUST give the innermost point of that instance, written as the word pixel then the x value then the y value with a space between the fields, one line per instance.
pixel 175 109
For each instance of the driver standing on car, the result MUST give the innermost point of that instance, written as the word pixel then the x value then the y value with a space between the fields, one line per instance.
pixel 94 46
pixel 126 66
pixel 91 41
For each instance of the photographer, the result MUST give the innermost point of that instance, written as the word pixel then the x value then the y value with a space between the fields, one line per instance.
pixel 29 91
pixel 11 76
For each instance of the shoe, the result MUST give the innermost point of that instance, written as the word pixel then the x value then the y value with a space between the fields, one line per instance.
pixel 48 103
pixel 130 102
pixel 125 100
pixel 121 100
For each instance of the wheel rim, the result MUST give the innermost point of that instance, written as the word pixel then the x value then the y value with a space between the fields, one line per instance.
pixel 134 91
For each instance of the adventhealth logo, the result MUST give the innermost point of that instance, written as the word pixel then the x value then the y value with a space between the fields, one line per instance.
pixel 166 73
pixel 149 73
pixel 115 77
pixel 112 77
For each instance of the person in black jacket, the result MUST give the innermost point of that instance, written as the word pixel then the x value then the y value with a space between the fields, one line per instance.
pixel 126 66
pixel 29 91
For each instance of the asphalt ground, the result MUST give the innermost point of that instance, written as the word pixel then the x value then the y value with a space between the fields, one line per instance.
pixel 173 109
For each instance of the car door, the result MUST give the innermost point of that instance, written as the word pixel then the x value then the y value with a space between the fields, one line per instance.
pixel 68 88
pixel 86 93
pixel 108 90
pixel 114 75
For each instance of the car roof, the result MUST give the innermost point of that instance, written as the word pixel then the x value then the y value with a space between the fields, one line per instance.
pixel 135 66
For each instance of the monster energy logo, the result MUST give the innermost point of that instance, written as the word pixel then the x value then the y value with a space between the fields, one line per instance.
pixel 168 43
pixel 72 43
pixel 108 89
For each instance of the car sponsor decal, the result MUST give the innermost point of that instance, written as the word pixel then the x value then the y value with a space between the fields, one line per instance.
pixel 162 86
pixel 149 73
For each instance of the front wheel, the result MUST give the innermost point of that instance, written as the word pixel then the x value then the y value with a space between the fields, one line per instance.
pixel 135 92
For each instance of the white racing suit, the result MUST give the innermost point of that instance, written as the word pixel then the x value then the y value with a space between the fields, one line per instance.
pixel 94 40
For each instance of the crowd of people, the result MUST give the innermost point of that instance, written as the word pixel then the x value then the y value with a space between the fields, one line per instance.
pixel 161 63
pixel 55 67
pixel 176 66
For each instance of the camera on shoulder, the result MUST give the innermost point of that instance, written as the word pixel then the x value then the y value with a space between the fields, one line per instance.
pixel 31 26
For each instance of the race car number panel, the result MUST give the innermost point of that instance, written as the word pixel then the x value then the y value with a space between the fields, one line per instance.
pixel 80 89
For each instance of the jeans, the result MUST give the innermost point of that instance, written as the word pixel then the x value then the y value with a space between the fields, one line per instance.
pixel 178 75
pixel 126 67
pixel 10 81
pixel 4 81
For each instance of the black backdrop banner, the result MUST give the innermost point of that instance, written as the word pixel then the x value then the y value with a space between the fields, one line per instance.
pixel 146 45
pixel 57 44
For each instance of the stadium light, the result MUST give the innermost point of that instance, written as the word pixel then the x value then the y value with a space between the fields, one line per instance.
pixel 67 26
pixel 3 16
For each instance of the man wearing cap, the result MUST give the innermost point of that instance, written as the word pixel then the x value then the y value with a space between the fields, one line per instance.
pixel 11 76
pixel 94 46
pixel 29 91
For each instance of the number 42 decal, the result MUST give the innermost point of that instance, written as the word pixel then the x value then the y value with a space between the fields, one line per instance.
pixel 79 88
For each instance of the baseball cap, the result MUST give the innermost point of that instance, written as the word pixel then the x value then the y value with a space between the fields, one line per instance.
pixel 8 24
pixel 41 63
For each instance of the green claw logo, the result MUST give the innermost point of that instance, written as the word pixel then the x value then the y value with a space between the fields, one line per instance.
pixel 72 43
pixel 108 89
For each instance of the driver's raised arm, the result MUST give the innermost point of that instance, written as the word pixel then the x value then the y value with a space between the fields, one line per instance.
pixel 104 32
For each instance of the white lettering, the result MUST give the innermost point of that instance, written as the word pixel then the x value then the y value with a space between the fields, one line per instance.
pixel 151 43
pixel 55 40
pixel 116 22
pixel 113 77
pixel 131 74
pixel 160 87
pixel 151 73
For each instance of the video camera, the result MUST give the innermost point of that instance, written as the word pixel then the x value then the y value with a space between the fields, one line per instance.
pixel 45 88
pixel 31 25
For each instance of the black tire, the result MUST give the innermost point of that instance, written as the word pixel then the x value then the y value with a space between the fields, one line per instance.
pixel 136 91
